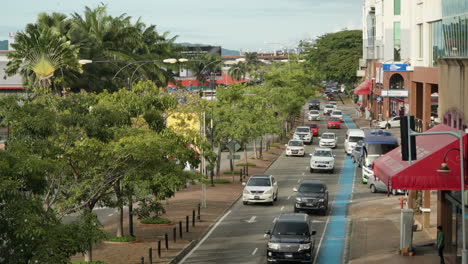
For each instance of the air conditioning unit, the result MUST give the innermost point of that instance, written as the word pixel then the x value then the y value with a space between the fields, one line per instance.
pixel 360 73
pixel 362 63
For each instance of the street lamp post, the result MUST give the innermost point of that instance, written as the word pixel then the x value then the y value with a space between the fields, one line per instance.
pixel 459 136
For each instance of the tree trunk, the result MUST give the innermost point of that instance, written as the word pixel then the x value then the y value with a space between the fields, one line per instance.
pixel 130 216
pixel 88 255
pixel 231 161
pixel 255 148
pixel 261 147
pixel 218 161
pixel 118 194
pixel 245 153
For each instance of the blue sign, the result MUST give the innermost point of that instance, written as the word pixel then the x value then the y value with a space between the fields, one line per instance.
pixel 379 99
pixel 394 67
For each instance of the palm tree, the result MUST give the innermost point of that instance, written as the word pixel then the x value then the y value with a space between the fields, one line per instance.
pixel 238 71
pixel 203 65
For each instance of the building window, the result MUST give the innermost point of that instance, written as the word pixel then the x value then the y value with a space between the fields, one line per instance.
pixel 396 7
pixel 437 41
pixel 396 41
pixel 397 82
pixel 420 41
pixel 455 33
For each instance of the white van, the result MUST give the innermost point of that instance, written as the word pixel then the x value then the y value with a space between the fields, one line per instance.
pixel 352 137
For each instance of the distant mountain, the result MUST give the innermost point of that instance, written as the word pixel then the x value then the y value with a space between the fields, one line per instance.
pixel 3 44
pixel 224 52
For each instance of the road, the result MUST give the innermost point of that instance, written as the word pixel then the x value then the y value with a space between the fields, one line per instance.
pixel 239 236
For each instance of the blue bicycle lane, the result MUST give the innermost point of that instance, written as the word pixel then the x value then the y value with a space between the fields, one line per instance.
pixel 333 244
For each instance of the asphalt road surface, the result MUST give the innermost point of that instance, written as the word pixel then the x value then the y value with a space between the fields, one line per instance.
pixel 239 236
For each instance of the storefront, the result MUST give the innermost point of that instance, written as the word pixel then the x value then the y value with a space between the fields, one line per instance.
pixel 395 90
pixel 397 103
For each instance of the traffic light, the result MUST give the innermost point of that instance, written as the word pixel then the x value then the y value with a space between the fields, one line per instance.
pixel 404 131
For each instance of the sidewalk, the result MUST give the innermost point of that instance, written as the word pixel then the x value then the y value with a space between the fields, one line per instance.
pixel 374 224
pixel 219 198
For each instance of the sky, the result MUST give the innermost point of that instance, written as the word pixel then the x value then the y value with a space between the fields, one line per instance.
pixel 251 25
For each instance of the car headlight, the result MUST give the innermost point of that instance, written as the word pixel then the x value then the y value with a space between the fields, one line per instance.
pixel 288 149
pixel 298 199
pixel 268 192
pixel 246 191
pixel 274 246
pixel 304 246
pixel 321 200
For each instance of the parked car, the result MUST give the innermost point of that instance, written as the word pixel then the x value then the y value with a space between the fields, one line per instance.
pixel 376 185
pixel 322 159
pixel 333 103
pixel 334 122
pixel 260 189
pixel 303 133
pixel 328 140
pixel 313 115
pixel 328 109
pixel 314 128
pixel 312 195
pixel 295 148
pixel 337 114
pixel 330 97
pixel 356 153
pixel 389 123
pixel 291 239
pixel 352 137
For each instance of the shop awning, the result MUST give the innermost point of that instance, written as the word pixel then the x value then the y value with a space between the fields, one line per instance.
pixel 422 174
pixel 364 88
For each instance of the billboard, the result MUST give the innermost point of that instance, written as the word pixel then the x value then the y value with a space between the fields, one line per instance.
pixel 199 50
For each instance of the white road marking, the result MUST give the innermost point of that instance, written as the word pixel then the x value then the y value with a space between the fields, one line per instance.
pixel 282 208
pixel 303 173
pixel 111 214
pixel 264 235
pixel 307 167
pixel 255 251
pixel 289 197
pixel 251 220
pixel 298 181
pixel 205 237
pixel 274 220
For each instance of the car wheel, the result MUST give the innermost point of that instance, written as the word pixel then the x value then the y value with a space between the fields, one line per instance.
pixel 311 170
pixel 271 203
pixel 296 210
pixel 373 189
pixel 323 212
pixel 388 126
pixel 332 170
pixel 276 197
pixel 352 159
pixel 245 203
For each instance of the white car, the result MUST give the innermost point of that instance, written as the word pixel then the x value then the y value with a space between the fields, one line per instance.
pixel 313 115
pixel 328 140
pixel 295 148
pixel 303 133
pixel 389 123
pixel 337 114
pixel 322 159
pixel 328 108
pixel 353 136
pixel 260 189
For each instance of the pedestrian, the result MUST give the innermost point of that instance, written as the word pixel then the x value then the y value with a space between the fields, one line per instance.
pixel 402 111
pixel 441 244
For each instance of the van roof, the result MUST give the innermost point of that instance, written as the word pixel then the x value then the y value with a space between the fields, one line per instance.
pixel 354 132
pixel 379 136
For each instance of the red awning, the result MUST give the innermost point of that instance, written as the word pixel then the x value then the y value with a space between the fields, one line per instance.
pixel 364 88
pixel 423 175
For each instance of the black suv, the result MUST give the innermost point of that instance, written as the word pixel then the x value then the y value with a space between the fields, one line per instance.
pixel 312 195
pixel 314 104
pixel 291 239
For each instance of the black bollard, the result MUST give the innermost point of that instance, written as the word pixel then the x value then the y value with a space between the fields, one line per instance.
pixel 187 224
pixel 150 255
pixel 199 208
pixel 166 239
pixel 159 248
pixel 142 260
pixel 193 217
pixel 180 229
pixel 174 234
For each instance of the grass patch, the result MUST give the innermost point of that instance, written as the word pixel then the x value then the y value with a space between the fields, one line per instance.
pixel 155 220
pixel 121 239
pixel 92 262
pixel 221 181
pixel 246 164
pixel 275 145
pixel 231 172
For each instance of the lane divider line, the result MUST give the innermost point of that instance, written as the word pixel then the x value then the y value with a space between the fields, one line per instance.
pixel 255 251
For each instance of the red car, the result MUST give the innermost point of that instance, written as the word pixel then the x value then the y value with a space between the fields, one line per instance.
pixel 334 123
pixel 314 128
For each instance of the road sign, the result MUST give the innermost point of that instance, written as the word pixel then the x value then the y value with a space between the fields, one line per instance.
pixel 233 157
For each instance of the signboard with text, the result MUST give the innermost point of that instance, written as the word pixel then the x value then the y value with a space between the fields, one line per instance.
pixel 394 67
pixel 394 93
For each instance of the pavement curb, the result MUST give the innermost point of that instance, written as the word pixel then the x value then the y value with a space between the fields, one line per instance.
pixel 188 248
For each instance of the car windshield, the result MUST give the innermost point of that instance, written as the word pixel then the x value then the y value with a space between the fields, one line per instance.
pixel 379 149
pixel 334 119
pixel 312 125
pixel 328 136
pixel 315 112
pixel 328 106
pixel 259 182
pixel 336 113
pixel 302 129
pixel 355 139
pixel 296 143
pixel 291 229
pixel 322 153
pixel 311 188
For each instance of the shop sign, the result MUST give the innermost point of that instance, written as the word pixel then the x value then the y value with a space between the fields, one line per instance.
pixel 394 93
pixel 379 99
pixel 395 67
